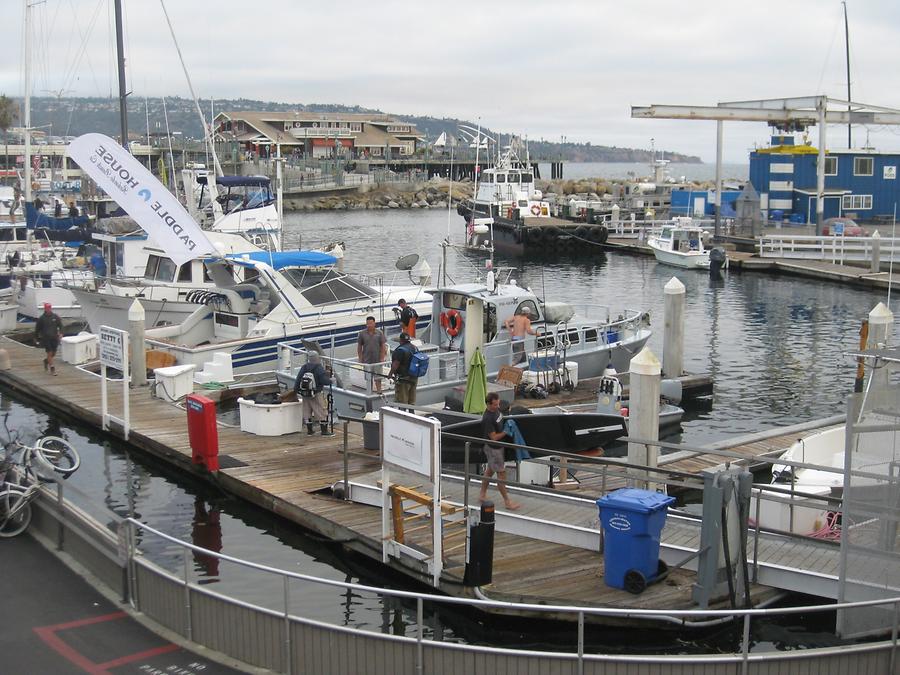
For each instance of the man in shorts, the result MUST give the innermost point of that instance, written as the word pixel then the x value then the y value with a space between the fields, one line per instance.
pixel 48 333
pixel 492 430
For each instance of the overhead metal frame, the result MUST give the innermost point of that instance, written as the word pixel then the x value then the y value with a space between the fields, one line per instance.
pixel 790 113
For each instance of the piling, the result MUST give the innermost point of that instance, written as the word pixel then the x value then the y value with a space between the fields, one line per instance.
pixel 880 321
pixel 643 414
pixel 875 267
pixel 138 357
pixel 673 330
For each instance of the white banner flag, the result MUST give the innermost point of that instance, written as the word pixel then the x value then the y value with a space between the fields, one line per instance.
pixel 142 196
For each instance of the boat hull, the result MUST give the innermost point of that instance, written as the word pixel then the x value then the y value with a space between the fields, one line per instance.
pixel 686 259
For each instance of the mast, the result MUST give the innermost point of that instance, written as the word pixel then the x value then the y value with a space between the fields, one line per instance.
pixel 120 57
pixel 27 186
pixel 847 52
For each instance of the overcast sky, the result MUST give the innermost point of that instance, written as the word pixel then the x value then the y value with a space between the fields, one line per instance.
pixel 541 69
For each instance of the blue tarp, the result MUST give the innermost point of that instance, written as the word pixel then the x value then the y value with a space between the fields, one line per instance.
pixel 242 181
pixel 34 219
pixel 281 259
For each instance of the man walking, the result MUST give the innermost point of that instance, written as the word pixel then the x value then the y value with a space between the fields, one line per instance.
pixel 371 347
pixel 48 333
pixel 405 388
pixel 310 389
pixel 492 430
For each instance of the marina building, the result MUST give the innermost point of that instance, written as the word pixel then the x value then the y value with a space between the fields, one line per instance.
pixel 859 183
pixel 320 135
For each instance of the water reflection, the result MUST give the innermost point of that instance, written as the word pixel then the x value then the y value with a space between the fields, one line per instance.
pixel 206 532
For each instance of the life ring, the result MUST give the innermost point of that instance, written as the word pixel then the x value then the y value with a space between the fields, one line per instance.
pixel 535 209
pixel 35 186
pixel 452 322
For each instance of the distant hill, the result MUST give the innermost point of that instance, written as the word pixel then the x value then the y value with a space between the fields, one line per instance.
pixel 75 116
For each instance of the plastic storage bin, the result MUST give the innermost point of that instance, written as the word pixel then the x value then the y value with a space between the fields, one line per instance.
pixel 632 523
pixel 78 349
pixel 174 382
pixel 264 419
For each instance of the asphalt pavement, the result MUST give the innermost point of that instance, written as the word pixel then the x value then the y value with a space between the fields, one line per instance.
pixel 56 622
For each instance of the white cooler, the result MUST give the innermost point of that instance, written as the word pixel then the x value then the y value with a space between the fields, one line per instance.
pixel 570 373
pixel 174 382
pixel 78 349
pixel 8 315
pixel 270 420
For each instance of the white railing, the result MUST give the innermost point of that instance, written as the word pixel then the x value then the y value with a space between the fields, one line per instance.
pixel 837 250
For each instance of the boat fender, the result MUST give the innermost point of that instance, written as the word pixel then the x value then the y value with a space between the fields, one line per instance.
pixel 452 322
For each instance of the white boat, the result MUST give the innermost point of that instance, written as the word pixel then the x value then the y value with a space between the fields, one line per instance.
pixel 681 244
pixel 470 316
pixel 262 299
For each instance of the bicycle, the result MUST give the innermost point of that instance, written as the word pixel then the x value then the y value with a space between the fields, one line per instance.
pixel 50 460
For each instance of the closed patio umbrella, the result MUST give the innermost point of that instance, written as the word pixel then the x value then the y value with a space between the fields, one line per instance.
pixel 476 385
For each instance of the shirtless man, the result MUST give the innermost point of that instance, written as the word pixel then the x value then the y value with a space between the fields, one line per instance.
pixel 519 325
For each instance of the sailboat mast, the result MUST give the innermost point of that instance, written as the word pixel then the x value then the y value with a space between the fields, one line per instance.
pixel 120 57
pixel 27 166
pixel 849 98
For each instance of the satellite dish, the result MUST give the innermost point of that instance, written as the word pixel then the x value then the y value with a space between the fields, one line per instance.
pixel 407 262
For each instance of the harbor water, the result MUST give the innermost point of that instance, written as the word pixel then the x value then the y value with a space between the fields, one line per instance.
pixel 773 344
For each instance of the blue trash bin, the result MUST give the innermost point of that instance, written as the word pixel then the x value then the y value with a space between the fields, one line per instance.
pixel 632 524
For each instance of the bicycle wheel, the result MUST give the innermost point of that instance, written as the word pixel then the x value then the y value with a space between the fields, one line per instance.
pixel 60 453
pixel 15 512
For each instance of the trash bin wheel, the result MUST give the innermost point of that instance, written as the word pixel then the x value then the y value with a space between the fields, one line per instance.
pixel 661 569
pixel 635 582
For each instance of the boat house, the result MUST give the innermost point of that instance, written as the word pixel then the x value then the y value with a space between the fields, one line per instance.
pixel 859 183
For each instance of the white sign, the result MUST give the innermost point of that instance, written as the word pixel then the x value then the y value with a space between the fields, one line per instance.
pixel 890 172
pixel 112 347
pixel 409 441
pixel 135 189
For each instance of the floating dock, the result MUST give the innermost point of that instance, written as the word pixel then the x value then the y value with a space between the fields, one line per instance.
pixel 292 476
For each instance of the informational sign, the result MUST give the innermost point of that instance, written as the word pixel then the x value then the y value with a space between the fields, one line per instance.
pixel 112 347
pixel 890 173
pixel 839 229
pixel 408 441
pixel 145 199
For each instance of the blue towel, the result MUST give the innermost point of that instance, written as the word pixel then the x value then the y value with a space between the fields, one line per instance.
pixel 511 428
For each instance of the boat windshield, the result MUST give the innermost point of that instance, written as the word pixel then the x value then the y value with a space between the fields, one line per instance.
pixel 159 268
pixel 323 286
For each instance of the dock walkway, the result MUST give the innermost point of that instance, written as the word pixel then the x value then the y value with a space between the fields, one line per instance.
pixel 292 476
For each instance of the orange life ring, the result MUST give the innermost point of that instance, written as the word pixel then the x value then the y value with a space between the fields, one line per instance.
pixel 452 322
pixel 536 210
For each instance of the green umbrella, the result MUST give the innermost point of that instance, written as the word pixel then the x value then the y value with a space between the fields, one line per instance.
pixel 476 385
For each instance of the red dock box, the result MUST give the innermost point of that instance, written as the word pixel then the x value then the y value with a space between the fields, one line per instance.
pixel 202 431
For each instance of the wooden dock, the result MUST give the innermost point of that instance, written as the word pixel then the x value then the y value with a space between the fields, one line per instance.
pixel 292 476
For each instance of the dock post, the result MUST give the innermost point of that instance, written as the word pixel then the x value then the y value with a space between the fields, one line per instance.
pixel 643 419
pixel 880 321
pixel 673 330
pixel 875 266
pixel 138 360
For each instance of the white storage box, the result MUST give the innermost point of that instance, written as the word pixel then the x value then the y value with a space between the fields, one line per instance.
pixel 270 420
pixel 174 382
pixel 8 314
pixel 534 473
pixel 78 349
pixel 563 375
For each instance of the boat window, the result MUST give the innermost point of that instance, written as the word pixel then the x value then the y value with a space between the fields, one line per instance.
pixel 488 177
pixel 574 336
pixel 513 178
pixel 151 267
pixel 7 234
pixel 531 306
pixel 523 203
pixel 590 335
pixel 454 301
pixel 666 233
pixel 184 272
pixel 336 287
pixel 206 277
pixel 166 270
pixel 526 178
pixel 490 321
pixel 501 177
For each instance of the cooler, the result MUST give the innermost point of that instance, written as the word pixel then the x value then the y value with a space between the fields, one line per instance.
pixel 632 524
pixel 78 349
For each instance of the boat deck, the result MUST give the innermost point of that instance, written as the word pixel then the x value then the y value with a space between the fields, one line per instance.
pixel 291 476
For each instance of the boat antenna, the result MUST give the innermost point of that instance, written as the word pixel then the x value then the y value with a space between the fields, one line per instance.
pixel 847 53
pixel 891 264
pixel 123 95
pixel 171 154
pixel 450 193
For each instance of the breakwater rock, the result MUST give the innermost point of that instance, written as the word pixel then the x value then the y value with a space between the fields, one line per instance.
pixel 431 194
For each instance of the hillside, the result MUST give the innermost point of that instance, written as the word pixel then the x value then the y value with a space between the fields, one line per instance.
pixel 75 116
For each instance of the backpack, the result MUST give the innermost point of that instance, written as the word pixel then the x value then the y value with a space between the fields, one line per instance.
pixel 307 387
pixel 418 364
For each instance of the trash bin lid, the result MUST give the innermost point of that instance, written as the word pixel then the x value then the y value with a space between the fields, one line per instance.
pixel 633 499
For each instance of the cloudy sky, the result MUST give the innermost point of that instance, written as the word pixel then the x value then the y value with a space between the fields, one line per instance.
pixel 541 69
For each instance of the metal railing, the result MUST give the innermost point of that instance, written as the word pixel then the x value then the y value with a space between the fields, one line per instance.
pixel 836 250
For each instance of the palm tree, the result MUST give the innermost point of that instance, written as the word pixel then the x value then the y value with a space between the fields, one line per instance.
pixel 9 113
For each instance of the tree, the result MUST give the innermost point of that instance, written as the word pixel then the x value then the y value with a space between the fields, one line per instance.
pixel 9 113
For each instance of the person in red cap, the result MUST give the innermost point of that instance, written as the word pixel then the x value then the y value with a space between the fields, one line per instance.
pixel 47 333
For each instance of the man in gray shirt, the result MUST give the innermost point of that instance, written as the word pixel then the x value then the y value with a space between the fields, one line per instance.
pixel 371 347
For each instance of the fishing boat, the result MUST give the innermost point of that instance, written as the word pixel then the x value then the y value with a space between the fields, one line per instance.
pixel 681 244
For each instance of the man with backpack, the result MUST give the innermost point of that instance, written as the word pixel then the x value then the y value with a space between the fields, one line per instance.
pixel 408 317
pixel 407 366
pixel 309 387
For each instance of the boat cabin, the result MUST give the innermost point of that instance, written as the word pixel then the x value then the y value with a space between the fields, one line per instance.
pixel 682 239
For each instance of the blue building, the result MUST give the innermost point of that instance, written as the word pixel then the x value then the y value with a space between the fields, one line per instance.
pixel 699 203
pixel 860 184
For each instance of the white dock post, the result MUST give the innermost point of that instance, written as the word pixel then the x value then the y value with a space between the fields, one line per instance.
pixel 643 414
pixel 875 266
pixel 673 329
pixel 138 357
pixel 880 321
